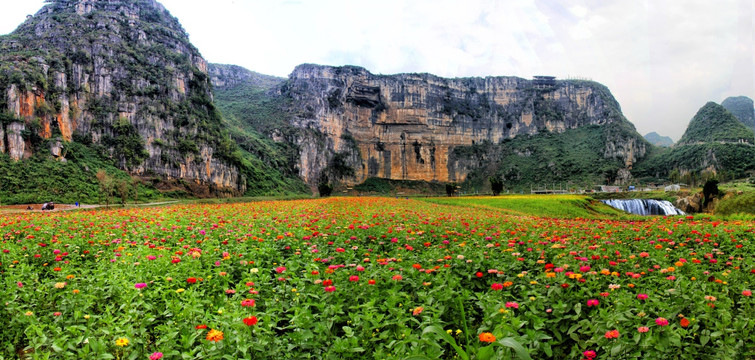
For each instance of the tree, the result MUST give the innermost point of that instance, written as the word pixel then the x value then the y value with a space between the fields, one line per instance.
pixel 123 190
pixel 106 185
pixel 325 189
pixel 710 191
pixel 135 184
pixel 496 184
pixel 450 189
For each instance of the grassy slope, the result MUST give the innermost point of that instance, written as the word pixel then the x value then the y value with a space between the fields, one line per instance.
pixel 250 113
pixel 558 206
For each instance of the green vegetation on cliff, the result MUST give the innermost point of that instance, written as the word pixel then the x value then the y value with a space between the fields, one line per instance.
pixel 572 159
pixel 742 108
pixel 713 123
pixel 253 116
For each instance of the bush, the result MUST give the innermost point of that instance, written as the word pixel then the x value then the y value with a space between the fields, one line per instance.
pixel 325 189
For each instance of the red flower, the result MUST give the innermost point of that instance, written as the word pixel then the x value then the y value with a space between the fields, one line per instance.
pixel 250 321
pixel 612 334
pixel 201 327
pixel 371 282
pixel 330 288
pixel 479 274
pixel 191 280
pixel 564 285
pixel 684 323
pixel 327 282
pixel 496 286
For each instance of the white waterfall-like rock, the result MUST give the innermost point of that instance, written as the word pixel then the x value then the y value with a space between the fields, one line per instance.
pixel 644 206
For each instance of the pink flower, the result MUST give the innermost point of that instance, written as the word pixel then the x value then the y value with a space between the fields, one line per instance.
pixel 643 329
pixel 592 302
pixel 140 285
pixel 590 354
pixel 330 288
pixel 20 284
pixel 247 302
pixel 280 269
pixel 151 257
pixel 496 286
pixel 156 356
pixel 512 304
pixel 353 278
pixel 747 293
pixel 642 296
pixel 57 313
pixel 661 321
pixel 584 268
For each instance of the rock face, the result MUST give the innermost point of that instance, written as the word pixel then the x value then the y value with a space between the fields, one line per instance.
pixel 120 74
pixel 357 125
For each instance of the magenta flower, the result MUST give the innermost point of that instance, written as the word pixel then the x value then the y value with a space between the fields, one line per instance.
pixel 642 296
pixel 496 286
pixel 661 321
pixel 590 354
pixel 330 288
pixel 247 302
pixel 156 356
pixel 353 278
pixel 140 285
pixel 280 269
pixel 592 302
pixel 512 304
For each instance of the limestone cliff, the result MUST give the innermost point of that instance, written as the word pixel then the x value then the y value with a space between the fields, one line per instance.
pixel 356 125
pixel 121 75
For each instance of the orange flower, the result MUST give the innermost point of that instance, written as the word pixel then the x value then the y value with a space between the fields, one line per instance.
pixel 506 284
pixel 214 335
pixel 418 310
pixel 684 323
pixel 487 337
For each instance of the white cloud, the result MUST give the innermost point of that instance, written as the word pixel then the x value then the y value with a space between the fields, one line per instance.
pixel 662 59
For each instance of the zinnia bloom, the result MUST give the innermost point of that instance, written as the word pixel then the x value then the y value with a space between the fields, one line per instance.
pixel 140 285
pixel 512 304
pixel 642 296
pixel 496 286
pixel 612 334
pixel 330 288
pixel 592 302
pixel 191 280
pixel 201 327
pixel 353 278
pixel 156 356
pixel 661 321
pixel 643 329
pixel 280 269
pixel 249 321
pixel 684 322
pixel 590 354
pixel 214 335
pixel 487 337
pixel 747 293
pixel 121 342
pixel 60 285
pixel 247 302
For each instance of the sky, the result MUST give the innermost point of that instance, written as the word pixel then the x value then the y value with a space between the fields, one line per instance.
pixel 661 59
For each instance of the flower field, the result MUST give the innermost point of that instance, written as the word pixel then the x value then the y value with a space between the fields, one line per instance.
pixel 372 278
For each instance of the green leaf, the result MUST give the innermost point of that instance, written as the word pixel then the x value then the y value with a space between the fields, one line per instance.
pixel 520 351
pixel 704 339
pixel 437 330
pixel 616 350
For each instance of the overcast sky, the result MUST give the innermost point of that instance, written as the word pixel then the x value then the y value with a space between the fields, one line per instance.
pixel 662 59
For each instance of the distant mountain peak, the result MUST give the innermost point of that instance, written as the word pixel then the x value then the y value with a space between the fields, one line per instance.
pixel 742 108
pixel 659 140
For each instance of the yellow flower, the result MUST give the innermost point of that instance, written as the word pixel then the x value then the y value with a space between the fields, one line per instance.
pixel 60 285
pixel 180 290
pixel 458 331
pixel 121 342
pixel 87 317
pixel 29 313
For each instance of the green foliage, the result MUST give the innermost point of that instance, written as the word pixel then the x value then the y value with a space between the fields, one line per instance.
pixel 710 191
pixel 742 108
pixel 496 185
pixel 382 186
pixel 713 123
pixel 573 158
pixel 559 206
pixel 734 159
pixel 41 178
pixel 739 204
